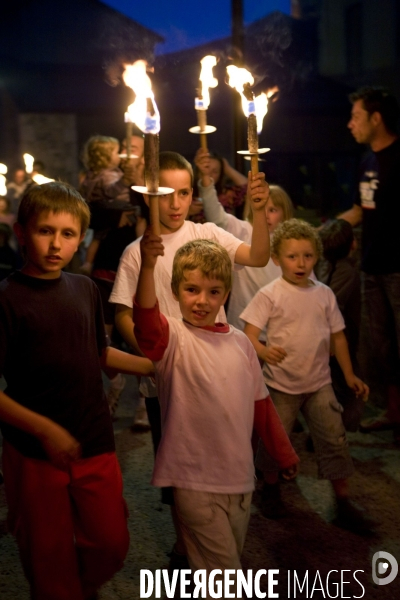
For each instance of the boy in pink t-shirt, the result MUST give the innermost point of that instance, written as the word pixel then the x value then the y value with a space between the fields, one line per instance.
pixel 212 391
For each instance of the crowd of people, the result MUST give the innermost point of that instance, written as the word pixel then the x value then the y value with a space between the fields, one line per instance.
pixel 220 391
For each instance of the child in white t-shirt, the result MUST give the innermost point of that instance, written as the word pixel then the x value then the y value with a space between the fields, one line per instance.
pixel 211 391
pixel 304 325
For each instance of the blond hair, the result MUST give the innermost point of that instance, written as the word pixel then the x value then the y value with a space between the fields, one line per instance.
pixel 97 152
pixel 57 197
pixel 279 198
pixel 209 257
pixel 298 230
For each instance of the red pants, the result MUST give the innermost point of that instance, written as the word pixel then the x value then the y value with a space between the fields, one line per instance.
pixel 71 527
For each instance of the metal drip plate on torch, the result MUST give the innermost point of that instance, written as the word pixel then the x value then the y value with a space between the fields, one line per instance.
pixel 162 191
pixel 259 151
pixel 207 129
pixel 124 155
pixel 259 159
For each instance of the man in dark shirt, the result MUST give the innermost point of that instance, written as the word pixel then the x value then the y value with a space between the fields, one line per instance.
pixel 373 121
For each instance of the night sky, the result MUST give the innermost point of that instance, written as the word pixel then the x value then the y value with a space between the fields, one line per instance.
pixel 185 24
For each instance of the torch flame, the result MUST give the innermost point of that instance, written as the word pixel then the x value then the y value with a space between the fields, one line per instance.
pixel 207 79
pixel 3 169
pixel 28 160
pixel 40 179
pixel 136 78
pixel 238 77
pixel 262 105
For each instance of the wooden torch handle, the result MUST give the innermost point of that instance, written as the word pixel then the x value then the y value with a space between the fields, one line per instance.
pixel 254 164
pixel 154 215
pixel 252 140
pixel 202 121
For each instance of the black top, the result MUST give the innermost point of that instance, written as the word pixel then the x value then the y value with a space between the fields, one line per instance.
pixel 51 335
pixel 379 197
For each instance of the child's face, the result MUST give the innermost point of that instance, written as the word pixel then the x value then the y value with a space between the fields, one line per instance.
pixel 115 158
pixel 274 215
pixel 174 207
pixel 50 242
pixel 200 298
pixel 297 259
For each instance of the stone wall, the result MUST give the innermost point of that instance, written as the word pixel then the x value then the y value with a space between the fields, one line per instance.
pixel 52 139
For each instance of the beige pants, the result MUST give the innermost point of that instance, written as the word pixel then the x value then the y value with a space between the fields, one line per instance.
pixel 214 527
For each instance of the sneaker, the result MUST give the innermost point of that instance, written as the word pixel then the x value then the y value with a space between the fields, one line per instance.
pixel 114 391
pixel 141 421
pixel 353 518
pixel 379 423
pixel 272 506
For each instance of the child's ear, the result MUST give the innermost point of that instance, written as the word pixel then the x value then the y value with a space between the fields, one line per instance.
pixel 80 241
pixel 174 295
pixel 19 233
pixel 275 259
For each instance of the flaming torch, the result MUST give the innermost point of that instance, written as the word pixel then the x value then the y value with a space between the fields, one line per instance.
pixel 40 179
pixel 37 178
pixel 144 112
pixel 202 102
pixel 28 160
pixel 3 187
pixel 255 109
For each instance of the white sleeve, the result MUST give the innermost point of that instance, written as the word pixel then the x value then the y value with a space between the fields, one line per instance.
pixel 258 311
pixel 126 280
pixel 213 209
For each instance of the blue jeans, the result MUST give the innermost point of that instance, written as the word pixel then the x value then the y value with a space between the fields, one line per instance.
pixel 322 413
pixel 382 300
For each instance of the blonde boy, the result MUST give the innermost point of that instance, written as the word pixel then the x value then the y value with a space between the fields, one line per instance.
pixel 210 384
pixel 304 325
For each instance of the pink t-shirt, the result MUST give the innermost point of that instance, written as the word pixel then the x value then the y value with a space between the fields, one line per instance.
pixel 209 380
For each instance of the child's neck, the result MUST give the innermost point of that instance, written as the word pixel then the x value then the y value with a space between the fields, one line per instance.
pixel 164 230
pixel 27 270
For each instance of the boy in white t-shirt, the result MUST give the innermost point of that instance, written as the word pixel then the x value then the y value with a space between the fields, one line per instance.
pixel 177 173
pixel 304 325
pixel 211 391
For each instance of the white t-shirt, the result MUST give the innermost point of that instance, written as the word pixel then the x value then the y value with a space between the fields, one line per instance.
pixel 207 419
pixel 129 266
pixel 300 320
